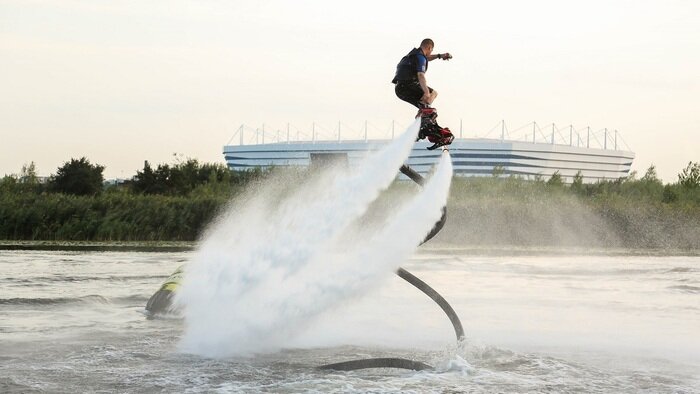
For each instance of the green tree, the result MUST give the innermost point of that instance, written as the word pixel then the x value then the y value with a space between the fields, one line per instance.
pixel 28 174
pixel 555 180
pixel 669 195
pixel 690 176
pixel 182 178
pixel 78 177
pixel 498 171
pixel 649 185
pixel 650 175
pixel 577 183
pixel 152 182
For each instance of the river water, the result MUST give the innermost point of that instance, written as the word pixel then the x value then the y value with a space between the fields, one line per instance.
pixel 73 321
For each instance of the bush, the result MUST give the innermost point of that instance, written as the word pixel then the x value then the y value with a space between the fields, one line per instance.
pixel 690 176
pixel 78 177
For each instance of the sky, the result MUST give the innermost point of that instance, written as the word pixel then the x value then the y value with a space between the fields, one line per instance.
pixel 120 82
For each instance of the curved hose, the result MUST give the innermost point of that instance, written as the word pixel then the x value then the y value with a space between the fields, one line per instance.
pixel 435 296
pixel 418 178
pixel 377 363
pixel 422 286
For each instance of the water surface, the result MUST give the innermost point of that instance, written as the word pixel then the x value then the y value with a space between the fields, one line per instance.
pixel 72 321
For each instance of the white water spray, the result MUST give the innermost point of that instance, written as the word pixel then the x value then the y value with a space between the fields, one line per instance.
pixel 266 270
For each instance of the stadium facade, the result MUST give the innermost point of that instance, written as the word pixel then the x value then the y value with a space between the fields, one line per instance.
pixel 470 157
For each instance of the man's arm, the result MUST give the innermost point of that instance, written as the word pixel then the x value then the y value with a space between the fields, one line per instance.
pixel 443 56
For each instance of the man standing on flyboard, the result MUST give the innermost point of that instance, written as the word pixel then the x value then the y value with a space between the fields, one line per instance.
pixel 412 88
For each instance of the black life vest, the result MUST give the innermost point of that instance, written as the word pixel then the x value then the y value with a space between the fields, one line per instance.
pixel 406 69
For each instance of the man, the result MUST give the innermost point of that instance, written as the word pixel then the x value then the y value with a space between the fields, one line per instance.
pixel 412 87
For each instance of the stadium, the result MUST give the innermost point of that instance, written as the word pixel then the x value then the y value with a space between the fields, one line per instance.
pixel 529 152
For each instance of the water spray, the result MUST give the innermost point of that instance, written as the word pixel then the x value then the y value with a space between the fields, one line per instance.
pixel 256 298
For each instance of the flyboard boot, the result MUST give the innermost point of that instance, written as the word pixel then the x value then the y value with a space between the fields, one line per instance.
pixel 429 128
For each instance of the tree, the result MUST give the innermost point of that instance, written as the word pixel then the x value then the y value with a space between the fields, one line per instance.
pixel 669 195
pixel 650 175
pixel 179 179
pixel 152 182
pixel 555 180
pixel 28 174
pixel 79 177
pixel 498 171
pixel 690 176
pixel 577 183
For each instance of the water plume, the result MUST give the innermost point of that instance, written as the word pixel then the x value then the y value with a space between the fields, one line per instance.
pixel 267 268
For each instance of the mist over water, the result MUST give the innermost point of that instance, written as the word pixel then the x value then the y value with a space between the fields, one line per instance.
pixel 268 267
pixel 487 212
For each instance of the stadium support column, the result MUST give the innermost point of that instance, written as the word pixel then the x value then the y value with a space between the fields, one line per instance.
pixel 365 131
pixel 588 137
pixel 553 133
pixel 571 135
pixel 605 139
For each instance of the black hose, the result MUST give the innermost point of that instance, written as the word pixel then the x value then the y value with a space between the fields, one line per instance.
pixel 418 178
pixel 435 296
pixel 377 363
pixel 422 286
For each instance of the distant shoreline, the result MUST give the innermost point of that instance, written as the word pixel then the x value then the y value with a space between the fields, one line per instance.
pixel 435 248
pixel 106 246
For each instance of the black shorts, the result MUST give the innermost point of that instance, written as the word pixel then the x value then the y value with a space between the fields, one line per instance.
pixel 410 92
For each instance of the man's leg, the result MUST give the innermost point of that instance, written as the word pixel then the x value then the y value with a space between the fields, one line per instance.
pixel 433 96
pixel 439 136
pixel 412 93
pixel 409 92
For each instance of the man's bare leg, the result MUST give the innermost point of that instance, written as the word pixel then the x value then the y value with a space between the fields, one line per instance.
pixel 433 96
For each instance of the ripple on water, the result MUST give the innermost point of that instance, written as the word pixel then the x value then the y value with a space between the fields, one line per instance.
pixel 94 298
pixel 686 289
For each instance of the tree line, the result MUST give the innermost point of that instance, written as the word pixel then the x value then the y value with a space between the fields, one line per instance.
pixel 171 202
pixel 632 212
pixel 175 202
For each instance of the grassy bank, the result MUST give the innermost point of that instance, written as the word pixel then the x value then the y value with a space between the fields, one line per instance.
pixel 625 214
pixel 634 213
pixel 115 216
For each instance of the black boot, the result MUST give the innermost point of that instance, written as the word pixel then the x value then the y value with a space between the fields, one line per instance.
pixel 428 122
pixel 440 138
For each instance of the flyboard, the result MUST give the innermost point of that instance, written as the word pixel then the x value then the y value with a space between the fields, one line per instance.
pixel 431 130
pixel 161 302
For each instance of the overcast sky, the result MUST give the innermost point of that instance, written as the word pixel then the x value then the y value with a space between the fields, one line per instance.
pixel 121 82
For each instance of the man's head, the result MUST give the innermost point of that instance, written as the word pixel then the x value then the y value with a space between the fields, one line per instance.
pixel 427 46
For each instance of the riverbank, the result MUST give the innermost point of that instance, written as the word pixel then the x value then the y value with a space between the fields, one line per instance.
pixel 137 246
pixel 433 248
pixel 487 212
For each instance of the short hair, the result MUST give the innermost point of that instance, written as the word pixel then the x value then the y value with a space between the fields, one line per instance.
pixel 427 42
